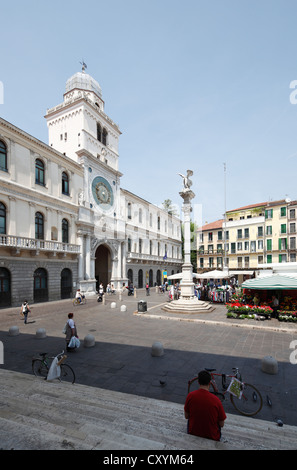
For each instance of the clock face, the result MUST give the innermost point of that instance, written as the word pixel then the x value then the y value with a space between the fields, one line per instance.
pixel 102 193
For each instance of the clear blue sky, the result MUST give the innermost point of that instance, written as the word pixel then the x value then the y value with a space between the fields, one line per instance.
pixel 191 84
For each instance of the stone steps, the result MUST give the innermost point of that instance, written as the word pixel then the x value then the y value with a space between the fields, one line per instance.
pixel 38 415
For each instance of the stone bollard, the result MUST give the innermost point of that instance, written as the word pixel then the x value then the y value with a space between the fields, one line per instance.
pixel 113 305
pixel 103 300
pixel 40 333
pixel 89 341
pixel 157 349
pixel 269 365
pixel 14 331
pixel 123 308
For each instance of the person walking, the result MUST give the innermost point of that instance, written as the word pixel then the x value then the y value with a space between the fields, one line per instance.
pixel 25 309
pixel 204 411
pixel 71 331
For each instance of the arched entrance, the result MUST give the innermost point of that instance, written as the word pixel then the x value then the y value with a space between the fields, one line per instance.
pixel 102 266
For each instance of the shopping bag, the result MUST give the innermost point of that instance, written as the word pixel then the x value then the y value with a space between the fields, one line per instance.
pixel 74 342
pixel 235 388
pixel 54 371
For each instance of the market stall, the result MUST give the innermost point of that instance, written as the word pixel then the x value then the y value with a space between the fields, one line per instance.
pixel 277 291
pixel 214 291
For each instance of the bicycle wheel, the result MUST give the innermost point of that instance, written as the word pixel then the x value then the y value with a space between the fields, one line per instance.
pixel 39 368
pixel 67 374
pixel 250 402
pixel 193 384
pixel 75 302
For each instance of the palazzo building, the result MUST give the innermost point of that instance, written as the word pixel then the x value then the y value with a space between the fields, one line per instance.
pixel 65 221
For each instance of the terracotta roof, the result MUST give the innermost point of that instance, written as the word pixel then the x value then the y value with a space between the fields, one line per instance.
pixel 250 206
pixel 213 225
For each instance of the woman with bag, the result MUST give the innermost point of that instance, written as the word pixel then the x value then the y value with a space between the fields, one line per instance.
pixel 72 340
pixel 25 309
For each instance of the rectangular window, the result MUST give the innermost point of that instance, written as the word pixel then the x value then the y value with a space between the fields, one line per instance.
pixel 292 243
pixel 283 211
pixel 269 258
pixel 220 235
pixel 239 233
pixel 269 214
pixel 282 243
pixel 246 233
pixel 292 213
pixel 239 246
pixel 253 247
pixel 283 228
pixel 260 231
pixel 233 249
pixel 246 246
pixel 269 244
pixel 269 230
pixel 260 244
pixel 292 227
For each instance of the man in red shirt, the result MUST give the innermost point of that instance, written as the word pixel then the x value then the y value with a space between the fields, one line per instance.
pixel 204 411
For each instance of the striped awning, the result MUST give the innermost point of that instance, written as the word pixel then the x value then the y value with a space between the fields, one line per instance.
pixel 272 282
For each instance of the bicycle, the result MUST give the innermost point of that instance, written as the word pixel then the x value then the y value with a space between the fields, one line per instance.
pixel 41 366
pixel 79 302
pixel 245 398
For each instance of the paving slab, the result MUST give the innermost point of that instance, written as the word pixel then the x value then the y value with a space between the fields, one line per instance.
pixel 121 359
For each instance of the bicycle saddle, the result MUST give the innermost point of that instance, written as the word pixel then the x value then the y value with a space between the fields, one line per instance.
pixel 42 354
pixel 209 370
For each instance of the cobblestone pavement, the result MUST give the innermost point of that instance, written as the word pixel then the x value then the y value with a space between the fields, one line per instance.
pixel 121 359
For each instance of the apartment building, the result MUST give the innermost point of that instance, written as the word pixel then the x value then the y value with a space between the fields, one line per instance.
pixel 250 236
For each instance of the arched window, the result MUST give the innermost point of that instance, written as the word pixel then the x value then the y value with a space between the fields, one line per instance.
pixel 104 137
pixel 66 283
pixel 39 226
pixel 140 278
pixel 40 285
pixel 129 245
pixel 151 278
pixel 5 293
pixel 39 172
pixel 65 231
pixel 3 156
pixel 65 183
pixel 2 218
pixel 130 276
pixel 99 132
pixel 129 210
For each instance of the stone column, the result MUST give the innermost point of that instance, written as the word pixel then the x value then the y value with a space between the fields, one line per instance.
pixel 187 284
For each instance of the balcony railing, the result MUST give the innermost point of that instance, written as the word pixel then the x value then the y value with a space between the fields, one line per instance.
pixel 25 243
pixel 145 257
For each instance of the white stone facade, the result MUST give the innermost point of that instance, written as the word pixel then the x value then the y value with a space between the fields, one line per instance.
pixel 65 221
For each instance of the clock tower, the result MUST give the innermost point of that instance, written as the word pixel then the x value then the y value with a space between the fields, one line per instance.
pixel 80 129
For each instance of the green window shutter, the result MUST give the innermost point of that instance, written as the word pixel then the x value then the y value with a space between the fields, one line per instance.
pixel 269 244
pixel 283 228
pixel 266 214
pixel 279 258
pixel 269 258
pixel 283 211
